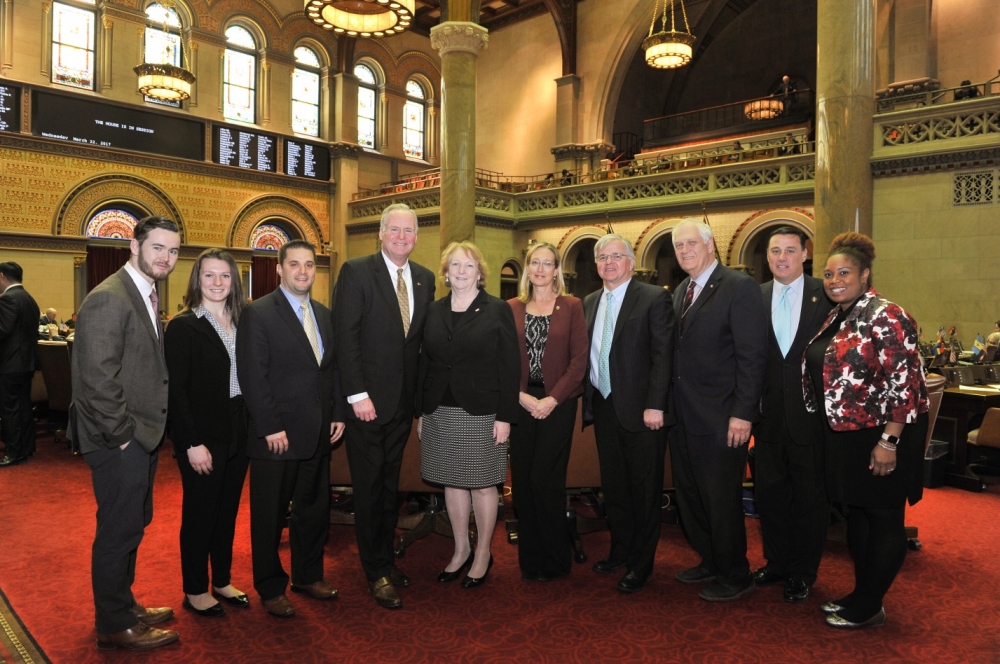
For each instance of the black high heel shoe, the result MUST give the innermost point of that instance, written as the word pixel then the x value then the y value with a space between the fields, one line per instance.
pixel 240 600
pixel 213 611
pixel 448 577
pixel 470 582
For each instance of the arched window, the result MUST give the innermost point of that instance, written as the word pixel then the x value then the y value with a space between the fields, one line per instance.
pixel 73 45
pixel 163 41
pixel 305 92
pixel 112 223
pixel 366 105
pixel 239 76
pixel 413 120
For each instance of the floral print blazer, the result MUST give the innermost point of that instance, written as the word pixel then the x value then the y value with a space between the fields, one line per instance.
pixel 872 372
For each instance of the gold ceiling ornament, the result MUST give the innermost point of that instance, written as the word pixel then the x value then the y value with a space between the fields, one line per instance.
pixel 668 49
pixel 361 18
pixel 763 109
pixel 165 81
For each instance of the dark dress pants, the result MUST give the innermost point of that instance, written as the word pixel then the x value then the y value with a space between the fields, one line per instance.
pixel 539 456
pixel 790 492
pixel 209 508
pixel 374 454
pixel 632 484
pixel 123 487
pixel 17 427
pixel 273 484
pixel 708 482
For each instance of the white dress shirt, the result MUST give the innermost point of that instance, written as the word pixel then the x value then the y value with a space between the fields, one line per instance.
pixel 145 288
pixel 617 297
pixel 794 301
pixel 702 279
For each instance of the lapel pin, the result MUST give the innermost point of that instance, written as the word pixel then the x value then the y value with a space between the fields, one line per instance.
pixel 418 283
pixel 557 307
pixel 814 298
pixel 477 309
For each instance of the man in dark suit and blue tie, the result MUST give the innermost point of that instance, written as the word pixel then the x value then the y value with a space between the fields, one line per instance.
pixel 789 476
pixel 285 362
pixel 720 353
pixel 380 305
pixel 18 360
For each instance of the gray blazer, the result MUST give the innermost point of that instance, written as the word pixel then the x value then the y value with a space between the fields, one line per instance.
pixel 119 373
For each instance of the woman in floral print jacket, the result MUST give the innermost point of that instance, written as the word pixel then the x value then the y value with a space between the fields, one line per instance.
pixel 863 369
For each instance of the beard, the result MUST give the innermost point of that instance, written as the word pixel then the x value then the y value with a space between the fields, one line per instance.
pixel 151 271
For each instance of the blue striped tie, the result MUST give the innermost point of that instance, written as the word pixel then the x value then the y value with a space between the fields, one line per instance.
pixel 604 362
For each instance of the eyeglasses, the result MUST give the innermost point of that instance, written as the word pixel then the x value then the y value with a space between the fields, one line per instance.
pixel 617 256
pixel 537 263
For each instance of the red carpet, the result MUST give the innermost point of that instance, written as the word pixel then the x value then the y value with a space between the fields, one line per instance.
pixel 943 607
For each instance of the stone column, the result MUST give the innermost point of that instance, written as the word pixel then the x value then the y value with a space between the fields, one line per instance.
pixel 845 103
pixel 459 43
pixel 343 171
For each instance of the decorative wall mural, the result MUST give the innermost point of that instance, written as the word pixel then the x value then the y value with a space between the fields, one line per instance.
pixel 268 237
pixel 115 224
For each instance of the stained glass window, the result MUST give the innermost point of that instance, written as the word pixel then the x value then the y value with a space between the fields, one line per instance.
pixel 163 45
pixel 305 93
pixel 366 106
pixel 268 237
pixel 413 121
pixel 112 223
pixel 72 46
pixel 239 76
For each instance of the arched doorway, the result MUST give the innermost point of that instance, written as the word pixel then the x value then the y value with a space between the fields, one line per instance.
pixel 510 279
pixel 266 239
pixel 668 271
pixel 755 253
pixel 580 260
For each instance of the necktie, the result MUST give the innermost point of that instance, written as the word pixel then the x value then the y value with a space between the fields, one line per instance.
pixel 403 297
pixel 782 321
pixel 156 314
pixel 604 361
pixel 688 301
pixel 309 325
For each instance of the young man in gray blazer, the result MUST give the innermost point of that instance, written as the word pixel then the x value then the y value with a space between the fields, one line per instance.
pixel 117 419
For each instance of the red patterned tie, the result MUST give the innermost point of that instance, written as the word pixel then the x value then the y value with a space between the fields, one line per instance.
pixel 156 314
pixel 688 300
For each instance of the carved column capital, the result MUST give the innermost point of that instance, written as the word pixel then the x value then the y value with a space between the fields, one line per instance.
pixel 459 36
pixel 349 150
pixel 582 150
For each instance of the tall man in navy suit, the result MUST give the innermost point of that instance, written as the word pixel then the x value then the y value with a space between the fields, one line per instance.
pixel 285 362
pixel 379 309
pixel 18 340
pixel 789 477
pixel 720 354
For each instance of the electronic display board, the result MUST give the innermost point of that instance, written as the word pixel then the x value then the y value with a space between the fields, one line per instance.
pixel 307 160
pixel 10 108
pixel 232 146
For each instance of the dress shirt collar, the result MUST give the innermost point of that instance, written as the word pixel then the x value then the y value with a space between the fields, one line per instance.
pixel 294 300
pixel 796 286
pixel 619 291
pixel 145 288
pixel 393 267
pixel 9 287
pixel 702 278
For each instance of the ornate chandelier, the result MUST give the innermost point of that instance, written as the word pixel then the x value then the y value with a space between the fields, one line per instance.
pixel 365 18
pixel 163 80
pixel 668 49
pixel 763 109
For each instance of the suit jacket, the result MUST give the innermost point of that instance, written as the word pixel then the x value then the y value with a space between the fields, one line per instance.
pixel 283 387
pixel 477 358
pixel 564 363
pixel 373 356
pixel 782 402
pixel 640 354
pixel 118 371
pixel 721 355
pixel 199 385
pixel 18 331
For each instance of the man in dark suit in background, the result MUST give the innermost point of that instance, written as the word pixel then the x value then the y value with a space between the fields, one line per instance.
pixel 288 376
pixel 631 327
pixel 380 305
pixel 18 359
pixel 117 419
pixel 720 354
pixel 789 481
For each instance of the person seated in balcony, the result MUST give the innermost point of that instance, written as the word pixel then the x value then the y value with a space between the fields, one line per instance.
pixel 567 178
pixel 788 146
pixel 967 91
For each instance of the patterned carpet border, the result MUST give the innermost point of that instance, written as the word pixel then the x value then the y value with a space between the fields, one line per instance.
pixel 16 643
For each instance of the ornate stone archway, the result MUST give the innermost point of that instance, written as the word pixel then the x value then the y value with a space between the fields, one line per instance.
pixel 80 203
pixel 270 207
pixel 796 217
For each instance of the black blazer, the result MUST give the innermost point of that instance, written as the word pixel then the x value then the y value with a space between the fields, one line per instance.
pixel 18 331
pixel 781 401
pixel 198 365
pixel 640 354
pixel 373 356
pixel 478 358
pixel 720 357
pixel 282 385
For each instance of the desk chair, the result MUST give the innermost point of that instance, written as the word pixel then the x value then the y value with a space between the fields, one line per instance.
pixel 984 443
pixel 54 357
pixel 935 394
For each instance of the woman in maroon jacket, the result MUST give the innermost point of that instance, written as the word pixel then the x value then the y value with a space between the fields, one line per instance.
pixel 552 336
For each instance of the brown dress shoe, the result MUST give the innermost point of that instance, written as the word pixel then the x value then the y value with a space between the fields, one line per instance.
pixel 279 606
pixel 384 593
pixel 317 590
pixel 139 637
pixel 399 578
pixel 152 616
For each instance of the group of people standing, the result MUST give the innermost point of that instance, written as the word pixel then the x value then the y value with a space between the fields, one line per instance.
pixel 271 385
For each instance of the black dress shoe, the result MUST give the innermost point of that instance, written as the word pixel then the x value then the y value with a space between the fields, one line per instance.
pixel 11 461
pixel 529 576
pixel 399 578
pixel 632 583
pixel 550 576
pixel 724 592
pixel 471 582
pixel 765 577
pixel 697 574
pixel 240 600
pixel 213 611
pixel 796 590
pixel 448 577
pixel 608 565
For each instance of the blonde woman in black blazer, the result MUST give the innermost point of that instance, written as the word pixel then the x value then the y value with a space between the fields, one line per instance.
pixel 470 370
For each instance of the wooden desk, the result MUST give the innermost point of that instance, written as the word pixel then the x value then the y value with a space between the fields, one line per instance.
pixel 958 407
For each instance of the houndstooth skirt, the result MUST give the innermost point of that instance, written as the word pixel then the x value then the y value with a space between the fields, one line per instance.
pixel 456 449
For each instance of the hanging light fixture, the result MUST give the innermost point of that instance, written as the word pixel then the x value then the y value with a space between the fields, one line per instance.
pixel 668 49
pixel 763 109
pixel 165 81
pixel 364 18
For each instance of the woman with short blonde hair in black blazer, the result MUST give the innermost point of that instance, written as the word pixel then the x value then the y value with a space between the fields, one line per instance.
pixel 208 427
pixel 469 371
pixel 552 337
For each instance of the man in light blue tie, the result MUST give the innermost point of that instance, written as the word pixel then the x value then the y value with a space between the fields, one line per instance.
pixel 631 326
pixel 788 453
